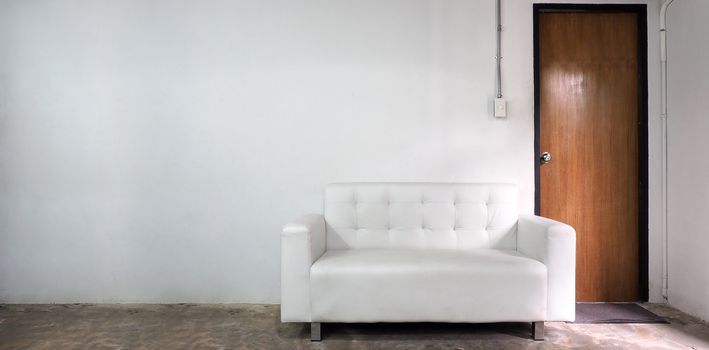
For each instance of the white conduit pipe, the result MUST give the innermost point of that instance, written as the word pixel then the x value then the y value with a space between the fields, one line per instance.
pixel 663 119
pixel 498 57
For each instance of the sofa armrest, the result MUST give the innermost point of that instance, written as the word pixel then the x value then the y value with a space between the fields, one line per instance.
pixel 302 242
pixel 554 244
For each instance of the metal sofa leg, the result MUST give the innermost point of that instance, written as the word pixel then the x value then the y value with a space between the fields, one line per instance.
pixel 538 330
pixel 315 334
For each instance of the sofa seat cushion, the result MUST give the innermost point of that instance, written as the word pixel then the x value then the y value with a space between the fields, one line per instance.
pixel 384 285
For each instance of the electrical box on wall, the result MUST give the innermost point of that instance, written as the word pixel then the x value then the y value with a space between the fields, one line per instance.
pixel 500 108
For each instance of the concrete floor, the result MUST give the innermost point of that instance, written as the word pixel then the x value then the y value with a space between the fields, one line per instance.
pixel 258 327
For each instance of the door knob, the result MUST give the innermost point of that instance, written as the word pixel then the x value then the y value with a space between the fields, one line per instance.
pixel 545 158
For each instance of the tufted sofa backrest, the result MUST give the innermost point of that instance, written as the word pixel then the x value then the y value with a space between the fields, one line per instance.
pixel 421 215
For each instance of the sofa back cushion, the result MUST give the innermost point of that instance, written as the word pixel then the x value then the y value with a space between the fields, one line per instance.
pixel 421 215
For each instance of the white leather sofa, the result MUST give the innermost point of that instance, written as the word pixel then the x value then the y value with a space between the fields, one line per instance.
pixel 426 252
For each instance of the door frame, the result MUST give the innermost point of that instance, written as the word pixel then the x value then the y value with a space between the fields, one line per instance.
pixel 641 11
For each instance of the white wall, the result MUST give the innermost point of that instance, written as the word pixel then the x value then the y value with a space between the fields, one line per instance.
pixel 150 151
pixel 688 190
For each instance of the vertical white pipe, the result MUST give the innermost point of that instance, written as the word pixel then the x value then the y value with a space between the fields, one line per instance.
pixel 663 119
pixel 498 20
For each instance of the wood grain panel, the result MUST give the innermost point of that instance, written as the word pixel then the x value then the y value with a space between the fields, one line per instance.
pixel 588 66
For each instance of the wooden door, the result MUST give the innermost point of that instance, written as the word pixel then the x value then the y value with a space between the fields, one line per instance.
pixel 589 122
